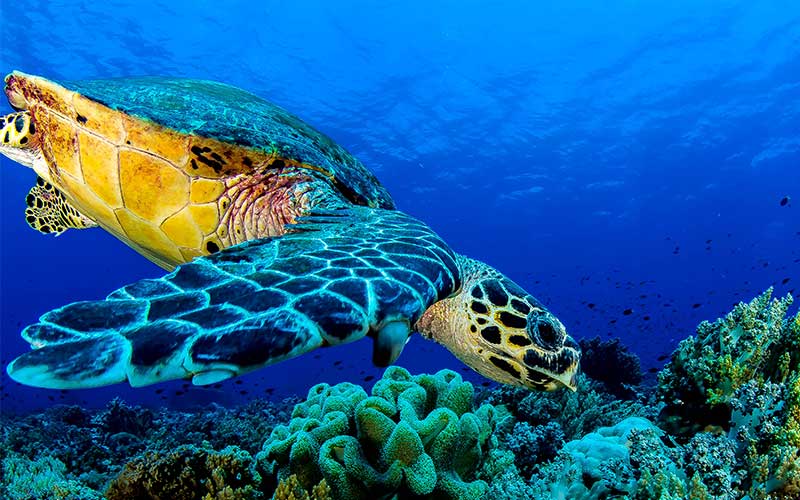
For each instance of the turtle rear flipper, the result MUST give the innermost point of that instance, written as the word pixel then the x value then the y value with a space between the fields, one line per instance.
pixel 18 139
pixel 336 277
pixel 49 211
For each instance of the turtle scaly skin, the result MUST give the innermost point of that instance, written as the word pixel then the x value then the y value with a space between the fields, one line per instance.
pixel 278 240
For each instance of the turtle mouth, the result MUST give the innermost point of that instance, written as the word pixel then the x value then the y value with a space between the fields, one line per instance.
pixel 552 371
pixel 553 361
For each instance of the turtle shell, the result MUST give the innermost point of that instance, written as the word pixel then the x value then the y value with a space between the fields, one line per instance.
pixel 173 167
pixel 231 115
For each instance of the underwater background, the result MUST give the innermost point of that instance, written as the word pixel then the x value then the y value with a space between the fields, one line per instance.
pixel 633 165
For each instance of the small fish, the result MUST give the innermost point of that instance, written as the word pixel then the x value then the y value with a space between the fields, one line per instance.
pixel 785 201
pixel 627 312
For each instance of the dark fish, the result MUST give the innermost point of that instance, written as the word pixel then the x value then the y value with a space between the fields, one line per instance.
pixel 627 312
pixel 784 281
pixel 695 306
pixel 785 201
pixel 662 357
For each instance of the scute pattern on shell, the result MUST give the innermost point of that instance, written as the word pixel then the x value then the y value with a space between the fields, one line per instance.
pixel 337 276
pixel 218 111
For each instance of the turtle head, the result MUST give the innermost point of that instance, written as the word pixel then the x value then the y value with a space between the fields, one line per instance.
pixel 502 332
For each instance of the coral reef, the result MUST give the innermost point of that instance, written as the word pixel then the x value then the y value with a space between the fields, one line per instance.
pixel 92 447
pixel 189 473
pixel 415 435
pixel 611 363
pixel 602 465
pixel 532 445
pixel 723 423
pixel 291 489
pixel 41 479
pixel 576 413
pixel 753 342
pixel 741 375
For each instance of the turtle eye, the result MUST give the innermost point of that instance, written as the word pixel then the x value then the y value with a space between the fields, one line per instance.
pixel 547 334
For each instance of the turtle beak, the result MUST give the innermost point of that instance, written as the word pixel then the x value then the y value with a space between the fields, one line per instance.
pixel 569 378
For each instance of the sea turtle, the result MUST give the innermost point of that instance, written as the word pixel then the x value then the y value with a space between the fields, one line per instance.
pixel 277 239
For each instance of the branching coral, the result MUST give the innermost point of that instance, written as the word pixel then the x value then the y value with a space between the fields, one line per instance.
pixel 41 479
pixel 577 413
pixel 742 373
pixel 120 417
pixel 534 444
pixel 611 363
pixel 753 342
pixel 291 489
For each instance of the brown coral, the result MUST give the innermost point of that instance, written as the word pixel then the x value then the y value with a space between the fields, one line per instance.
pixel 291 489
pixel 189 473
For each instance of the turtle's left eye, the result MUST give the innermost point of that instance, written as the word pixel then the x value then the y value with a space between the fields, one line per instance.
pixel 543 330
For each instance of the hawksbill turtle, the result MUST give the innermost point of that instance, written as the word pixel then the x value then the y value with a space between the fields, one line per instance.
pixel 278 242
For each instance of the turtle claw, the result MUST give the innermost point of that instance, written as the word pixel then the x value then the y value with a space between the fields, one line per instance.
pixel 389 343
pixel 212 376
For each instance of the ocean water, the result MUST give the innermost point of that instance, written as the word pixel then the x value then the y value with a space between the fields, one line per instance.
pixel 633 165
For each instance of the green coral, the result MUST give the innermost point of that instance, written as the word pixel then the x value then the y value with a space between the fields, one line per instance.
pixel 414 434
pixel 41 479
pixel 753 342
pixel 741 374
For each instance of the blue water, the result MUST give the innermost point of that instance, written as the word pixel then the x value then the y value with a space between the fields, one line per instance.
pixel 608 156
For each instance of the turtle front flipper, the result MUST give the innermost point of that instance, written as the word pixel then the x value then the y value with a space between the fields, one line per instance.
pixel 336 277
pixel 49 211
